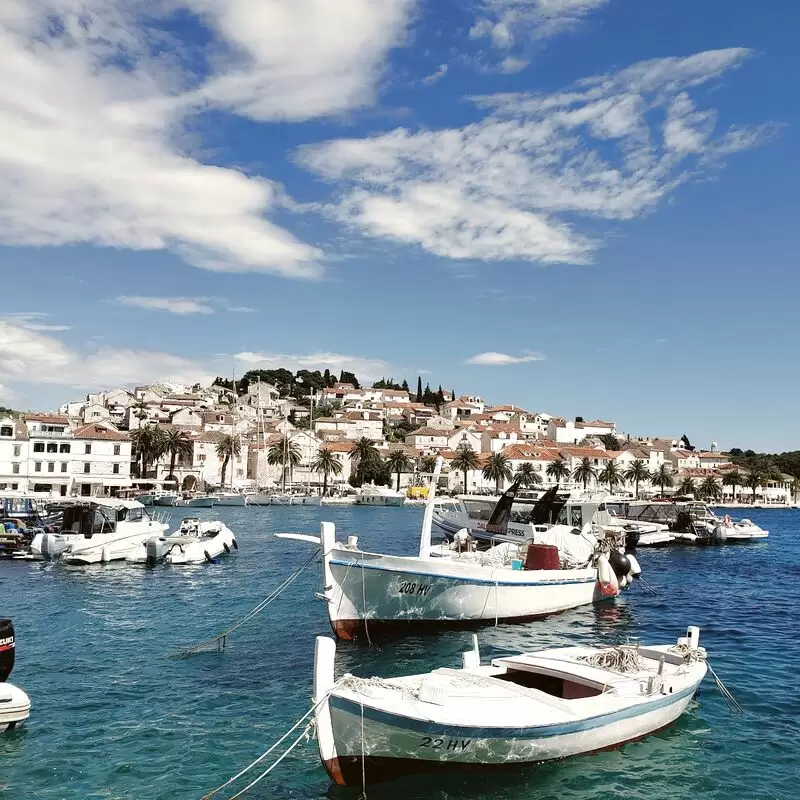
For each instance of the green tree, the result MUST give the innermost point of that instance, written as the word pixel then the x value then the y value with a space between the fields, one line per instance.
pixel 148 446
pixel 753 482
pixel 177 443
pixel 366 458
pixel 140 409
pixel 466 460
pixel 527 475
pixel 638 473
pixel 610 441
pixel 710 489
pixel 498 469
pixel 733 479
pixel 611 475
pixel 687 486
pixel 557 470
pixel 327 463
pixel 398 462
pixel 585 471
pixel 419 390
pixel 228 447
pixel 349 377
pixel 286 453
pixel 663 477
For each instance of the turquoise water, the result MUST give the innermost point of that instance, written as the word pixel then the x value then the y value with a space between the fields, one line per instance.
pixel 115 717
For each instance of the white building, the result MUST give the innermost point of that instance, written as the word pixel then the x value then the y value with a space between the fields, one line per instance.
pixel 568 432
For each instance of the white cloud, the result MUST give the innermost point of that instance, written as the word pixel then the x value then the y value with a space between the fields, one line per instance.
pixel 32 357
pixel 366 368
pixel 510 23
pixel 96 99
pixel 174 305
pixel 33 321
pixel 243 309
pixel 435 76
pixel 520 183
pixel 494 359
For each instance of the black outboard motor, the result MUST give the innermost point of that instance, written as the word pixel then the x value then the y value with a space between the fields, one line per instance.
pixel 6 649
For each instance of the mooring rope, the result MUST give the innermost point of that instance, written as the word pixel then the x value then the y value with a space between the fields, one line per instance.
pixel 622 658
pixel 219 641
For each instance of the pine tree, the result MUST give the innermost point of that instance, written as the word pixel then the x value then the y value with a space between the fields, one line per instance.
pixel 404 387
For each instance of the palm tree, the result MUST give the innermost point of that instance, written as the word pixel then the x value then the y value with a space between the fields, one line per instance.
pixel 585 471
pixel 637 472
pixel 362 454
pixel 326 463
pixel 733 479
pixel 557 470
pixel 398 462
pixel 141 410
pixel 794 488
pixel 526 475
pixel 710 489
pixel 427 464
pixel 663 477
pixel 497 469
pixel 149 446
pixel 465 460
pixel 229 446
pixel 286 453
pixel 753 482
pixel 687 486
pixel 177 443
pixel 610 474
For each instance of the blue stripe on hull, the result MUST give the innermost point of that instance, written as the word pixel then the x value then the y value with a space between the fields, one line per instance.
pixel 538 732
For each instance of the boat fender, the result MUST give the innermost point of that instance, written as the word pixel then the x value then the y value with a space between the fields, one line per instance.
pixel 235 544
pixel 227 548
pixel 619 563
pixel 208 557
pixel 105 554
pixel 636 570
pixel 623 582
pixel 609 586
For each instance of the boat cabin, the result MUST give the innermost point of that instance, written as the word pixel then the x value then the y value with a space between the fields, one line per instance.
pixel 89 519
pixel 530 511
pixel 545 676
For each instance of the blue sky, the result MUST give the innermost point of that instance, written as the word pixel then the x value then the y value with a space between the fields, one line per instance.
pixel 579 206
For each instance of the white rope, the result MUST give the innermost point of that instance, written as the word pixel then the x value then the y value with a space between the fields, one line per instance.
pixel 623 658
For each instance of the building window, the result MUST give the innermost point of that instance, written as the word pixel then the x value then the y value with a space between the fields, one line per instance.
pixel 52 447
pixel 87 467
pixel 115 469
pixel 116 449
pixel 7 430
pixel 63 448
pixel 37 467
pixel 17 450
pixel 51 467
pixel 15 469
pixel 38 447
pixel 63 466
pixel 87 449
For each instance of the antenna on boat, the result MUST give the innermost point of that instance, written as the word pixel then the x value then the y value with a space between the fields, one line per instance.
pixel 427 519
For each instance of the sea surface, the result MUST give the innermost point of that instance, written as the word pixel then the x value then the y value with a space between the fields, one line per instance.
pixel 115 716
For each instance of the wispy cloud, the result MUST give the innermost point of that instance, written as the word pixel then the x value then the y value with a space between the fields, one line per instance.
pixel 519 183
pixel 94 112
pixel 494 359
pixel 34 321
pixel 435 76
pixel 368 368
pixel 172 305
pixel 243 309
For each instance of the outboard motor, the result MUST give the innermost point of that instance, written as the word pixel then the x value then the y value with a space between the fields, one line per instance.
pixel 719 535
pixel 156 549
pixel 619 563
pixel 7 649
pixel 631 537
pixel 53 545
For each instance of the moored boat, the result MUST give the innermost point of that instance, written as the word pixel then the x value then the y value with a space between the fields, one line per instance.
pixel 194 542
pixel 15 706
pixel 515 711
pixel 229 499
pixel 372 495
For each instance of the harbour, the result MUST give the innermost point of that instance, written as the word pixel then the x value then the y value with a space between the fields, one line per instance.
pixel 114 714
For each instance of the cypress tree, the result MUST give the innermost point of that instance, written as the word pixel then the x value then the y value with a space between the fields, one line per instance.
pixel 419 389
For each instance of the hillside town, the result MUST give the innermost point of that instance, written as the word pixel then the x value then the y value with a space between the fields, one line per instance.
pixel 318 431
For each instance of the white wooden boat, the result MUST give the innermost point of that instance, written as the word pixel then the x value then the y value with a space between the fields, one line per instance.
pixel 365 592
pixel 521 710
pixel 15 706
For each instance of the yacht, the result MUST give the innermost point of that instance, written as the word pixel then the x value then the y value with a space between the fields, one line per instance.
pixel 372 495
pixel 229 499
pixel 99 530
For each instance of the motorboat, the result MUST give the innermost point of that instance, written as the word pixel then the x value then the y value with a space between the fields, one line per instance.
pixel 743 531
pixel 519 710
pixel 365 592
pixel 194 542
pixel 255 498
pixel 229 499
pixel 15 706
pixel 165 498
pixel 100 530
pixel 193 501
pixel 372 495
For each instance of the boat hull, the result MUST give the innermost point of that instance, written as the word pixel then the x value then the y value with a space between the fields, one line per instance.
pixel 367 592
pixel 380 500
pixel 394 746
pixel 15 706
pixel 233 500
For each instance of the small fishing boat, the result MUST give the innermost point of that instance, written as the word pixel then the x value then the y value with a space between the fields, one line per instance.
pixel 15 707
pixel 194 542
pixel 515 711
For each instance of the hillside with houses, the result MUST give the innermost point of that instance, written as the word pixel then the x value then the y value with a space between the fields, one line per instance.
pixel 313 429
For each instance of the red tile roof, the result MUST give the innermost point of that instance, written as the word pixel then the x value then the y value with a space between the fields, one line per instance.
pixel 94 431
pixel 430 432
pixel 48 419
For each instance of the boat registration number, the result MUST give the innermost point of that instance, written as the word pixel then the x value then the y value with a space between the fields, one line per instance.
pixel 418 589
pixel 457 745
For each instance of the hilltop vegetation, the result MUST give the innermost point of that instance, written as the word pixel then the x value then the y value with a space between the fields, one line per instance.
pixel 769 464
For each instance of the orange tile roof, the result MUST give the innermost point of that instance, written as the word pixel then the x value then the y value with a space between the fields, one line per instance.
pixel 94 431
pixel 48 419
pixel 431 432
pixel 584 452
